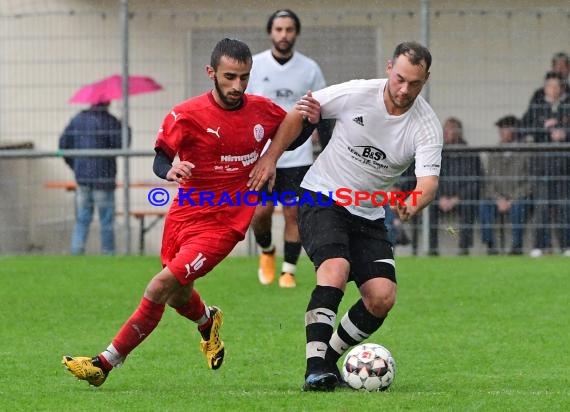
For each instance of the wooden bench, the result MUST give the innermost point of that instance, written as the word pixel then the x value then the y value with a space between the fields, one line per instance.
pixel 144 228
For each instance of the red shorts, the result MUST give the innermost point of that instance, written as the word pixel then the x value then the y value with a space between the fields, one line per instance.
pixel 191 253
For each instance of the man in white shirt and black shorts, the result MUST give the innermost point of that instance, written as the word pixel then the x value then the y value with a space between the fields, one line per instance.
pixel 382 125
pixel 283 75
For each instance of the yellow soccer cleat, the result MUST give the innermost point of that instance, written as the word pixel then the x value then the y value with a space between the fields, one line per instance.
pixel 86 369
pixel 213 348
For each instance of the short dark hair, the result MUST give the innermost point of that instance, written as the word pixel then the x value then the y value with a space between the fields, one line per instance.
pixel 561 56
pixel 232 48
pixel 553 75
pixel 455 121
pixel 284 13
pixel 508 121
pixel 415 52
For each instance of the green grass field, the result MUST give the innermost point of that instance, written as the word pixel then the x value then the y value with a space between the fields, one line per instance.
pixel 468 334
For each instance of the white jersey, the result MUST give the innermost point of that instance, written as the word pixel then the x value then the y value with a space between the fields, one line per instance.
pixel 285 84
pixel 369 148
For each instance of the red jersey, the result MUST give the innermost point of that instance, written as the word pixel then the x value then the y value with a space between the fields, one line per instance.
pixel 224 146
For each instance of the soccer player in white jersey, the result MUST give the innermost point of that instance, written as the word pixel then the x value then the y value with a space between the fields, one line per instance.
pixel 283 75
pixel 382 125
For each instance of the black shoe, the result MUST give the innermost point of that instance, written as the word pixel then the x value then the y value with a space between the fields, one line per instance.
pixel 516 252
pixel 342 384
pixel 492 251
pixel 333 368
pixel 433 252
pixel 321 382
pixel 464 251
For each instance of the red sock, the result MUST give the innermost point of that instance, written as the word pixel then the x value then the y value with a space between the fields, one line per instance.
pixel 194 309
pixel 141 323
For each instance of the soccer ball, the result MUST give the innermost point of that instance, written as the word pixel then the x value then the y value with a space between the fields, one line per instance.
pixel 369 366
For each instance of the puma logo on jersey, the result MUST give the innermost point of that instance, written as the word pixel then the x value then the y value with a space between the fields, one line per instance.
pixel 195 265
pixel 175 115
pixel 216 132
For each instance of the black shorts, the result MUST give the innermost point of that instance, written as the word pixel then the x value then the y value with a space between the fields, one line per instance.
pixel 332 231
pixel 288 180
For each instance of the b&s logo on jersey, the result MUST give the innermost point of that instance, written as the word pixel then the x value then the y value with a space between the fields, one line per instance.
pixel 368 155
pixel 283 93
pixel 258 132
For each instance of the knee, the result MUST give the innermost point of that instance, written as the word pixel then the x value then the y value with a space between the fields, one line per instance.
pixel 160 289
pixel 380 303
pixel 262 215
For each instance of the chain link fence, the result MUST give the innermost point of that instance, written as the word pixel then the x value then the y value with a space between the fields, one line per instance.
pixel 488 60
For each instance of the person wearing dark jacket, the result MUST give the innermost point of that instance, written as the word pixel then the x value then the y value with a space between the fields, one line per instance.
pixel 507 190
pixel 561 66
pixel 548 121
pixel 459 188
pixel 93 128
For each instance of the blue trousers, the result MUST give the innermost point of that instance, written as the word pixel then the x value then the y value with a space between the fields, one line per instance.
pixel 86 199
pixel 488 214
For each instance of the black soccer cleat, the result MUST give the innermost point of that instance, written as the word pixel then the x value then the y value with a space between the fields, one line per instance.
pixel 320 382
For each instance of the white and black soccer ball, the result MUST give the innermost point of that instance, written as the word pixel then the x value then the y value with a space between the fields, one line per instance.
pixel 369 366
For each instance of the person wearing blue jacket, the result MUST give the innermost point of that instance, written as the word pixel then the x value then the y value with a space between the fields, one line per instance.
pixel 93 128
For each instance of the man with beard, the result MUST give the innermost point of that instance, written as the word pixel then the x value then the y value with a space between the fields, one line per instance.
pixel 382 126
pixel 217 136
pixel 283 75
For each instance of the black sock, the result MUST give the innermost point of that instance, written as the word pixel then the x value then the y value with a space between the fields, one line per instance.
pixel 263 240
pixel 320 320
pixel 291 252
pixel 206 328
pixel 359 320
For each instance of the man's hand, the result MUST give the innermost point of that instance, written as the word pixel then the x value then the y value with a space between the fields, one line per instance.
pixel 262 172
pixel 503 205
pixel 309 107
pixel 401 210
pixel 180 172
pixel 448 203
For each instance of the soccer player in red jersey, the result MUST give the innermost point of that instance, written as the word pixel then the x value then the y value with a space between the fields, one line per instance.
pixel 218 136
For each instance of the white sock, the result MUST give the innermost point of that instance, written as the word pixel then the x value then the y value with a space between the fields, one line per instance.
pixel 288 268
pixel 113 357
pixel 268 249
pixel 204 318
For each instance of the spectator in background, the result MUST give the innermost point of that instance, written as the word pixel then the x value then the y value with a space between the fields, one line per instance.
pixel 507 190
pixel 283 75
pixel 547 120
pixel 458 188
pixel 561 65
pixel 93 128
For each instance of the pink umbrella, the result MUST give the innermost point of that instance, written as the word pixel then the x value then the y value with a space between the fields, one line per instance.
pixel 111 88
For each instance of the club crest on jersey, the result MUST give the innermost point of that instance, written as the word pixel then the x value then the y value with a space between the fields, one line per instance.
pixel 258 132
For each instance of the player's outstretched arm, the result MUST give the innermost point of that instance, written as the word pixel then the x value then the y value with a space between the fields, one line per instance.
pixel 422 195
pixel 290 128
